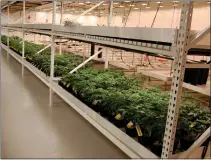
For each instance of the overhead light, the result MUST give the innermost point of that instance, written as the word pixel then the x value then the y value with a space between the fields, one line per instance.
pixel 132 5
pixel 161 6
pixel 159 2
pixel 81 3
pixel 147 6
pixel 121 6
pixel 175 5
pixel 88 2
pixel 127 1
pixel 115 3
pixel 144 4
pixel 175 1
pixel 136 8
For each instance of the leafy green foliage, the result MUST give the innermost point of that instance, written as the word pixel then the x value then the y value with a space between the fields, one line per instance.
pixel 117 94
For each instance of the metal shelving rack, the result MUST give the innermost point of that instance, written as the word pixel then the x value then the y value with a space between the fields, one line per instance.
pixel 180 45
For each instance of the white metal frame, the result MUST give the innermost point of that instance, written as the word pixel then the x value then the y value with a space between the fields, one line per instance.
pixel 128 145
pixel 200 36
pixel 23 36
pixel 109 24
pixel 52 53
pixel 178 75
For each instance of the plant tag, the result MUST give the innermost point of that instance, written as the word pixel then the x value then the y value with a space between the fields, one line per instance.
pixel 192 124
pixel 138 129
pixel 130 124
pixel 94 102
pixel 118 116
pixel 68 85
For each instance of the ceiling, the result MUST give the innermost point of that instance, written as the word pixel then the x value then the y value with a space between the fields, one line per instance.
pixel 78 7
pixel 18 6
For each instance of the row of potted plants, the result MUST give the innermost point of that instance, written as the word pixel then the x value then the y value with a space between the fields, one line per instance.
pixel 62 64
pixel 141 112
pixel 123 101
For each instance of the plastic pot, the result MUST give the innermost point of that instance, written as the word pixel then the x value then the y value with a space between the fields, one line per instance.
pixel 185 144
pixel 146 141
pixel 104 113
pixel 157 149
pixel 131 131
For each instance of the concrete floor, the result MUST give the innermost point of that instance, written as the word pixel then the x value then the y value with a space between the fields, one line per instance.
pixel 32 129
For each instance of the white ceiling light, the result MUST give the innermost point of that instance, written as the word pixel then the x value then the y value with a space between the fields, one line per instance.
pixel 132 5
pixel 115 3
pixel 148 6
pixel 136 8
pixel 81 3
pixel 144 4
pixel 161 6
pixel 121 6
pixel 88 2
pixel 175 5
pixel 159 2
pixel 127 1
pixel 175 1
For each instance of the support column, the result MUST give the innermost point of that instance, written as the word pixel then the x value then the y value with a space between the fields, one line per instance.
pixel 92 49
pixel 61 21
pixel 52 53
pixel 35 20
pixel 182 47
pixel 109 24
pixel 75 46
pixel 23 37
pixel 8 31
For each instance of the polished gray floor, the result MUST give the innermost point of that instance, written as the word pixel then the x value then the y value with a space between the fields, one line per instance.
pixel 32 129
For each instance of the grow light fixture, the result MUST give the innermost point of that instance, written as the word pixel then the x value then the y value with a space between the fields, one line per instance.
pixel 175 5
pixel 81 3
pixel 144 4
pixel 132 5
pixel 158 2
pixel 148 5
pixel 127 1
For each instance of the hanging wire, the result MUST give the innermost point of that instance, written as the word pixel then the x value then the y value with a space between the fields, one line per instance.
pixel 128 14
pixel 173 17
pixel 155 16
pixel 139 16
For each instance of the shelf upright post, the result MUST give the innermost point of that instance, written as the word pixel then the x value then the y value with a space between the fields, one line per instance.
pixel 109 24
pixel 182 46
pixel 23 36
pixel 61 21
pixel 8 31
pixel 52 53
pixel 35 17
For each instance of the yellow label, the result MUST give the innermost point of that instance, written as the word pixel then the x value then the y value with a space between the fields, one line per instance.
pixel 130 124
pixel 138 129
pixel 94 102
pixel 118 116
